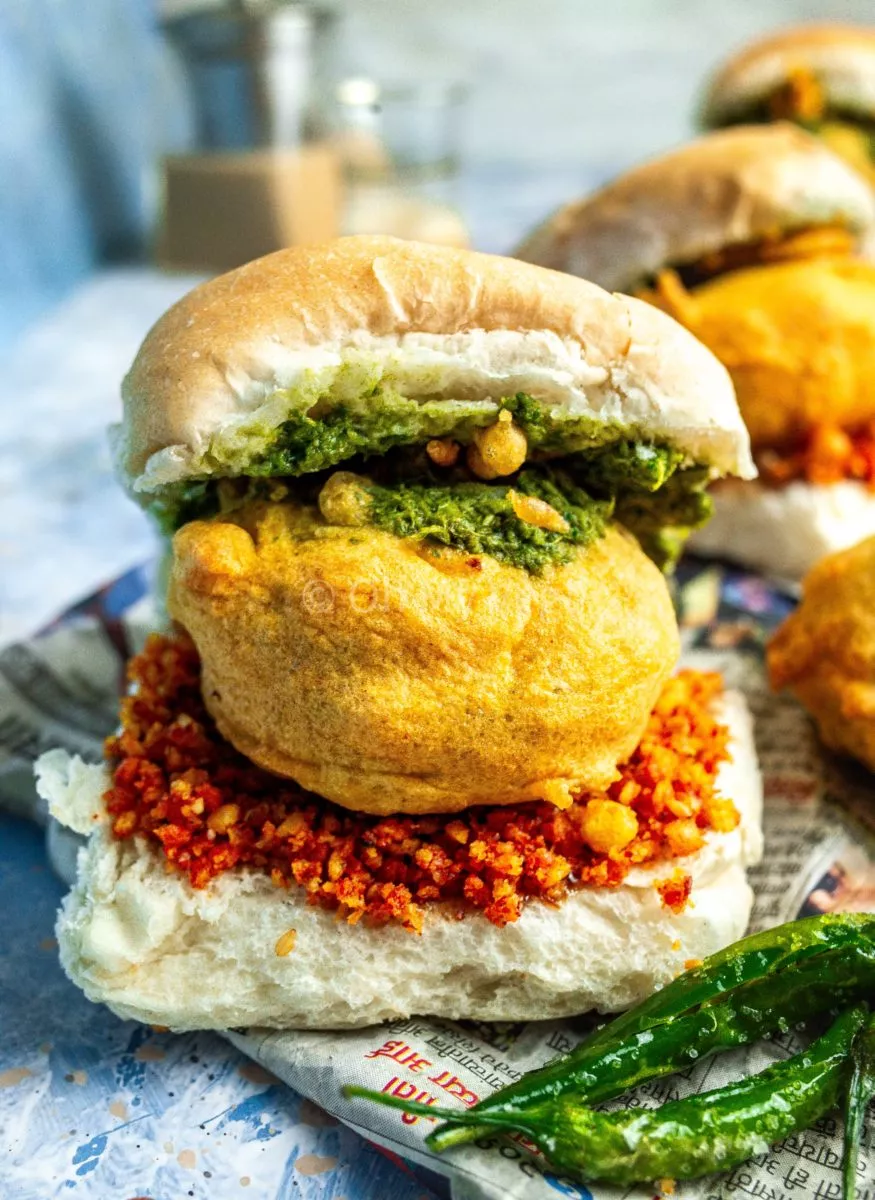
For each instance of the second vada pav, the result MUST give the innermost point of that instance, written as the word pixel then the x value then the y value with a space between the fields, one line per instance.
pixel 751 238
pixel 424 660
pixel 824 653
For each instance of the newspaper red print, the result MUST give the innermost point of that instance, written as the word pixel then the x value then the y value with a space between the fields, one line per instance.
pixel 799 787
pixel 413 1061
pixel 403 1054
pixel 453 1086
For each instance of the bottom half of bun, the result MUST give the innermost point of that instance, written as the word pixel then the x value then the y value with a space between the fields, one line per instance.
pixel 144 942
pixel 785 531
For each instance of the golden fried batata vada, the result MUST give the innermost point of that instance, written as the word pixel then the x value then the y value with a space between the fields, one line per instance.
pixel 792 335
pixel 824 653
pixel 392 680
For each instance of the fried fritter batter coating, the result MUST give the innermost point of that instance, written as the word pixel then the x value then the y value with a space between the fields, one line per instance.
pixel 797 339
pixel 393 676
pixel 825 650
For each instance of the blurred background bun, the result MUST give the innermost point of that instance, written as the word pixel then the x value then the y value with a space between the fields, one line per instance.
pixel 726 189
pixel 821 76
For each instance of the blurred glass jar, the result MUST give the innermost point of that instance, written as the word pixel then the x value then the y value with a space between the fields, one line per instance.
pixel 399 152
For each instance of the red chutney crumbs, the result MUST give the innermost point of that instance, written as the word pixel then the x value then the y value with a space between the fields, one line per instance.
pixel 179 783
pixel 675 891
pixel 828 455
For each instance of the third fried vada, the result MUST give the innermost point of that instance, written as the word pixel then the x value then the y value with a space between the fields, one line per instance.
pixel 824 653
pixel 750 238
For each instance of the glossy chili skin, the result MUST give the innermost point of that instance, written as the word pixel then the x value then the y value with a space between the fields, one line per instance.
pixel 714 1131
pixel 861 1093
pixel 687 1138
pixel 767 982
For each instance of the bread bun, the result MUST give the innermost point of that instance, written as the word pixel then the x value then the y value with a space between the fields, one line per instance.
pixel 389 679
pixel 840 57
pixel 736 186
pixel 142 941
pixel 784 531
pixel 238 355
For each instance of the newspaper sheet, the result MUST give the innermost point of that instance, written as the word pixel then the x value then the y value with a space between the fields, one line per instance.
pixel 61 688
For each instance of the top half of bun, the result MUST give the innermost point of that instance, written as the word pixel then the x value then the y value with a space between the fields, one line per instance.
pixel 840 57
pixel 738 185
pixel 304 326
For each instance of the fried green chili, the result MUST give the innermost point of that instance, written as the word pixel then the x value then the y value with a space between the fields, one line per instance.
pixel 766 982
pixel 684 1139
pixel 861 1092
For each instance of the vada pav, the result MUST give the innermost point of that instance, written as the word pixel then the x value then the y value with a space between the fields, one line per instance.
pixel 822 77
pixel 750 238
pixel 824 653
pixel 417 744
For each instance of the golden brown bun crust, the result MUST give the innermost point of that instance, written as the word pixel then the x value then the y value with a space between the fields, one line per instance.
pixel 310 296
pixel 825 651
pixel 434 320
pixel 841 57
pixel 738 185
pixel 798 339
pixel 391 680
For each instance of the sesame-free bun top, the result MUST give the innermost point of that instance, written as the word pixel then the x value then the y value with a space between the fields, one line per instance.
pixel 840 57
pixel 727 188
pixel 339 323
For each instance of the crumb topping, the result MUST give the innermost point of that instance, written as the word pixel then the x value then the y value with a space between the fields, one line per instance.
pixel 177 782
pixel 828 454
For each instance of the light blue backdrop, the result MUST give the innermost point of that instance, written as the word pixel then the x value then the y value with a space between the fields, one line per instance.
pixel 89 98
pixel 86 100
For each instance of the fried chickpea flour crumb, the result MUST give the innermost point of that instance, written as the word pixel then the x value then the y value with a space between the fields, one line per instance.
pixel 178 783
pixel 675 891
pixel 286 943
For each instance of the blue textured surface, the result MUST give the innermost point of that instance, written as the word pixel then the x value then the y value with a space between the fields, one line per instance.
pixel 100 1109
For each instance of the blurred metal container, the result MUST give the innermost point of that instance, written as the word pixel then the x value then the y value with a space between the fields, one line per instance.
pixel 259 70
pixel 259 177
